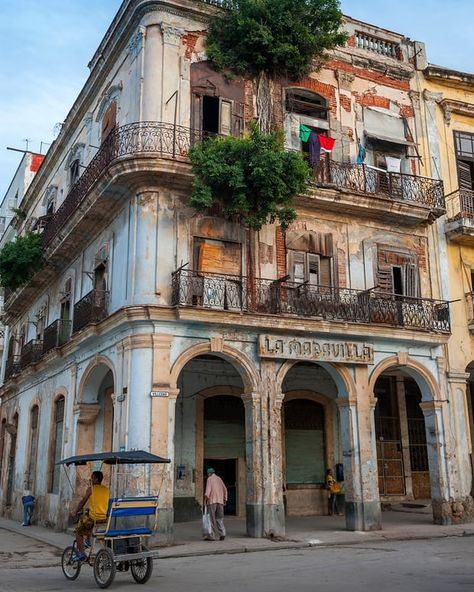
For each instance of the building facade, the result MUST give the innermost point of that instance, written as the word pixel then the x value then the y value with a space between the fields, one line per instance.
pixel 268 356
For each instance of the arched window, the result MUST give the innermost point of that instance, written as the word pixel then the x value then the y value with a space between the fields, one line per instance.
pixel 56 444
pixel 33 452
pixel 74 163
pixel 109 121
pixel 305 102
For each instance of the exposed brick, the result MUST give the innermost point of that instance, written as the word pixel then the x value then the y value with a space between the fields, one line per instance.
pixel 346 102
pixel 190 39
pixel 280 252
pixel 407 111
pixel 341 268
pixel 370 99
pixel 376 77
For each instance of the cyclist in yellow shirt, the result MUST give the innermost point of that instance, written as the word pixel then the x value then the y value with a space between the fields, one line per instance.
pixel 98 497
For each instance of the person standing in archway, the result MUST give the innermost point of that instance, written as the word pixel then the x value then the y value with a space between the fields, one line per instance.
pixel 334 489
pixel 215 498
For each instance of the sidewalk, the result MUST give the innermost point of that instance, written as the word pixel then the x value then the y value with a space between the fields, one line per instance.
pixel 301 532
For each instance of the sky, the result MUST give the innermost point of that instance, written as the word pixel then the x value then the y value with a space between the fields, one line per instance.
pixel 45 47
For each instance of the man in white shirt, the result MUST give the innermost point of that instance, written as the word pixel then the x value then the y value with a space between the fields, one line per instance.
pixel 215 499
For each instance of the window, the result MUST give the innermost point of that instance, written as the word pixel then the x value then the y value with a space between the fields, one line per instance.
pixel 464 145
pixel 310 268
pixel 307 103
pixel 216 256
pixel 74 171
pixel 217 115
pixel 397 273
pixel 40 323
pixel 56 444
pixel 33 455
pixel 65 313
pixel 109 120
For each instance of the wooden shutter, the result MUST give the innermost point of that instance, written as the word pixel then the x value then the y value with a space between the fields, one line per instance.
pixel 225 118
pixel 237 119
pixel 313 269
pixel 411 280
pixel 325 273
pixel 385 277
pixel 196 114
pixel 109 120
pixel 465 175
pixel 219 257
pixel 296 266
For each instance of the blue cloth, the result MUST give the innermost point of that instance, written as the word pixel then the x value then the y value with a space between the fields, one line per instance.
pixel 28 507
pixel 314 149
pixel 361 154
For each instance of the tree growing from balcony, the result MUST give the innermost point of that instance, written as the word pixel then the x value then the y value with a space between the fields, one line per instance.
pixel 252 178
pixel 19 259
pixel 270 39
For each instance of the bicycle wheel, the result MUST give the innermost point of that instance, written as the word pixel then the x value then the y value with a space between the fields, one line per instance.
pixel 70 568
pixel 142 569
pixel 104 568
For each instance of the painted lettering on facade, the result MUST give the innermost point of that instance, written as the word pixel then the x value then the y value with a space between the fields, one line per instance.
pixel 295 348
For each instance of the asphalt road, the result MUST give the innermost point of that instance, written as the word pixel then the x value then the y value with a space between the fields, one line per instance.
pixel 436 565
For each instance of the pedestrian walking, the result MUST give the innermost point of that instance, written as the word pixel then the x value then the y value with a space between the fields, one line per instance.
pixel 215 498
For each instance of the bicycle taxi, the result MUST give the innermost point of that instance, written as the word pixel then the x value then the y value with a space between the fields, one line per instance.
pixel 119 543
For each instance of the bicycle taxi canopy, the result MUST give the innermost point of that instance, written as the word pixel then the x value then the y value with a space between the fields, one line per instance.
pixel 129 457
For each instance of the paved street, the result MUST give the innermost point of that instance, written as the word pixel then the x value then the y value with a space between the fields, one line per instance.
pixel 437 565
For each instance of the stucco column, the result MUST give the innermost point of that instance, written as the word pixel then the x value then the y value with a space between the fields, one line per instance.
pixel 144 257
pixel 152 74
pixel 274 522
pixel 360 457
pixel 253 457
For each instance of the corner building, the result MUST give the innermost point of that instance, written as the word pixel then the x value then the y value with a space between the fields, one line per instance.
pixel 149 327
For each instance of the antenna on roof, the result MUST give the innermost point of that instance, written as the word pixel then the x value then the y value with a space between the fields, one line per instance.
pixel 27 142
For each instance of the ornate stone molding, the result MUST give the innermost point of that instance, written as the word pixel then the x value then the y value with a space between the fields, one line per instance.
pixel 171 35
pixel 450 106
pixel 458 377
pixel 86 412
pixel 217 344
pixel 135 44
pixel 432 97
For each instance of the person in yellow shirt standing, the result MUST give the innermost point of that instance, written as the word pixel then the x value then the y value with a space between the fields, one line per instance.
pixel 98 497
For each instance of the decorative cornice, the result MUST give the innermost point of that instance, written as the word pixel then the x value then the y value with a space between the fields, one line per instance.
pixel 171 35
pixel 135 44
pixel 450 106
pixel 432 97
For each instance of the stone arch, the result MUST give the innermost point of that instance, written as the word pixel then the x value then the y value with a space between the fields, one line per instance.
pixel 93 375
pixel 340 374
pixel 112 95
pixel 75 153
pixel 429 388
pixel 237 359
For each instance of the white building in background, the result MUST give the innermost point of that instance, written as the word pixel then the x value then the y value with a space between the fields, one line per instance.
pixel 148 328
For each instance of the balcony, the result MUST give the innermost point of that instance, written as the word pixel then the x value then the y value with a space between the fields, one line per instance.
pixel 56 334
pixel 31 353
pixel 374 193
pixel 90 309
pixel 12 367
pixel 459 227
pixel 277 297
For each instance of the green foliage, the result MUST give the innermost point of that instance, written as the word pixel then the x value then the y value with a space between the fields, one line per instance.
pixel 278 37
pixel 19 259
pixel 253 178
pixel 19 213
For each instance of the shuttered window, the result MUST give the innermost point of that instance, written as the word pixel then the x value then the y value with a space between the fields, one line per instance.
pixel 397 273
pixel 464 145
pixel 109 120
pixel 216 115
pixel 465 175
pixel 310 268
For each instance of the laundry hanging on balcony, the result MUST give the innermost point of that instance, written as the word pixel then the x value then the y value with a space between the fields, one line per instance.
pixel 361 154
pixel 305 132
pixel 393 164
pixel 314 147
pixel 327 143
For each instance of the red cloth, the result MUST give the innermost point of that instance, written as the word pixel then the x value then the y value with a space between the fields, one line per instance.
pixel 326 143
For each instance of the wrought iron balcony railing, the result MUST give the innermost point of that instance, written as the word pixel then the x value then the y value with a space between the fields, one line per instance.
pixel 460 205
pixel 56 334
pixel 257 295
pixel 163 140
pixel 31 353
pixel 399 186
pixel 12 367
pixel 90 309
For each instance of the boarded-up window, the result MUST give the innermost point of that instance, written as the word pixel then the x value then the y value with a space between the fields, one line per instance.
pixel 304 441
pixel 215 256
pixel 33 456
pixel 109 120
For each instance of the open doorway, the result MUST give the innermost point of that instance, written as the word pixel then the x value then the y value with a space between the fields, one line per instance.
pixel 226 468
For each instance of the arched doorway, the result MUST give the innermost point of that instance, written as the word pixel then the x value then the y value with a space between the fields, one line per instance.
pixel 402 452
pixel 209 431
pixel 311 441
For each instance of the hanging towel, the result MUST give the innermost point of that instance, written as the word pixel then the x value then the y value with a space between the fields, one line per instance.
pixel 327 143
pixel 393 164
pixel 305 132
pixel 314 149
pixel 361 155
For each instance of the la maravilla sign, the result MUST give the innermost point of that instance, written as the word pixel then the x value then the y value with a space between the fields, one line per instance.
pixel 316 350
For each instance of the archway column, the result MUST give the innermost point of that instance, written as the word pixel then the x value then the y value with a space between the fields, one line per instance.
pixel 254 464
pixel 359 451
